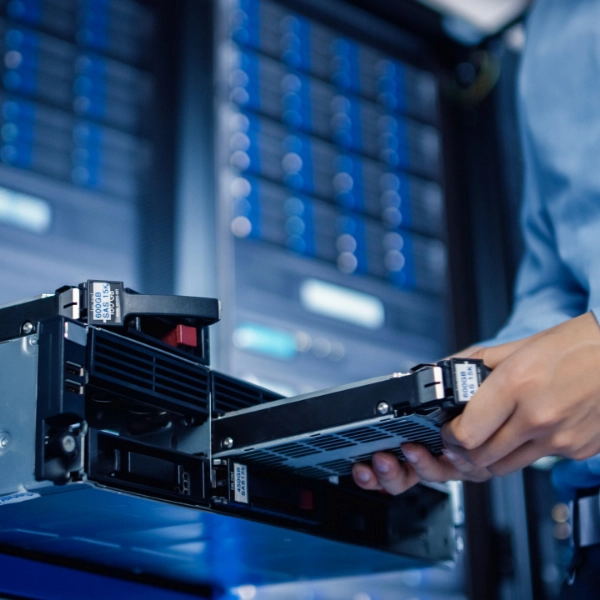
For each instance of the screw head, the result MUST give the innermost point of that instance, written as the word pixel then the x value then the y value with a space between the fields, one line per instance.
pixel 227 442
pixel 27 327
pixel 4 440
pixel 383 408
pixel 68 444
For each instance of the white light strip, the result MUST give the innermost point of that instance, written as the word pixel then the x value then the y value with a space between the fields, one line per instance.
pixel 342 303
pixel 24 211
pixel 487 15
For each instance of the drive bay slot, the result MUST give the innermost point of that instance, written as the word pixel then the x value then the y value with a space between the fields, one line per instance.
pixel 142 467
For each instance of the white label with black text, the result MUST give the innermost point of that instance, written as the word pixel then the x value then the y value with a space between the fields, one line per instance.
pixel 240 483
pixel 103 301
pixel 18 497
pixel 467 383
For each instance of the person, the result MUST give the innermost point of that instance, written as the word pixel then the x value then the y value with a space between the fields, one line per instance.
pixel 543 395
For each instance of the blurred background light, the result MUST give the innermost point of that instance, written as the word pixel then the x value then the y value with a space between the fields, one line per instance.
pixel 342 303
pixel 265 340
pixel 487 15
pixel 26 212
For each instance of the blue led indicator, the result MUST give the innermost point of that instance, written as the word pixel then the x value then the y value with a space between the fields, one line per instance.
pixel 405 278
pixel 306 103
pixel 347 224
pixel 402 144
pixel 401 87
pixel 353 56
pixel 248 31
pixel 358 188
pixel 95 23
pixel 250 66
pixel 309 231
pixel 25 10
pixel 405 207
pixel 305 45
pixel 361 246
pixel 254 214
pixel 356 120
pixel 307 165
pixel 254 149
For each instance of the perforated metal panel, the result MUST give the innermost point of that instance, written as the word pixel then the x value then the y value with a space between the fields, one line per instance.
pixel 332 452
pixel 231 394
pixel 129 367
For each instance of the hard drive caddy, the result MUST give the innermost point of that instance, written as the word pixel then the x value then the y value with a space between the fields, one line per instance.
pixel 323 433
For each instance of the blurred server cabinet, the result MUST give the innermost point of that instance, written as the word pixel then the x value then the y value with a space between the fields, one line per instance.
pixel 333 245
pixel 363 217
pixel 77 144
pixel 330 172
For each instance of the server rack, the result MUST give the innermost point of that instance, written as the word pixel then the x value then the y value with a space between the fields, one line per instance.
pixel 337 186
pixel 334 180
pixel 477 284
pixel 86 140
pixel 462 129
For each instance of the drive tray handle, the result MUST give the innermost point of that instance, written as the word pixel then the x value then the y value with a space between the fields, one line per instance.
pixel 110 303
pixel 139 305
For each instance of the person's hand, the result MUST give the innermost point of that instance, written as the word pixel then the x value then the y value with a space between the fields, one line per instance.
pixel 542 398
pixel 389 474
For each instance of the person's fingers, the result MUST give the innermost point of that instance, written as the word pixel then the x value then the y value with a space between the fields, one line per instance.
pixel 510 436
pixel 489 408
pixel 492 356
pixel 428 467
pixel 364 477
pixel 466 353
pixel 493 403
pixel 466 469
pixel 394 477
pixel 518 459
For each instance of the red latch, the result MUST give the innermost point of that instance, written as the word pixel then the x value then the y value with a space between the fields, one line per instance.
pixel 182 335
pixel 306 500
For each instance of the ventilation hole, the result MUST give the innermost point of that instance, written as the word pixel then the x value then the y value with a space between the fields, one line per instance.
pixel 264 458
pixel 339 467
pixel 231 394
pixel 366 434
pixel 313 472
pixel 124 364
pixel 330 442
pixel 295 450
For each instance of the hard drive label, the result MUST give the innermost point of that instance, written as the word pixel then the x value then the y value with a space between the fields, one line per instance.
pixel 467 380
pixel 19 497
pixel 240 483
pixel 105 302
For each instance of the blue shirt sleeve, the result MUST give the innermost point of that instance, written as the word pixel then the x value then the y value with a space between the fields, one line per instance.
pixel 559 277
pixel 570 475
pixel 546 292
